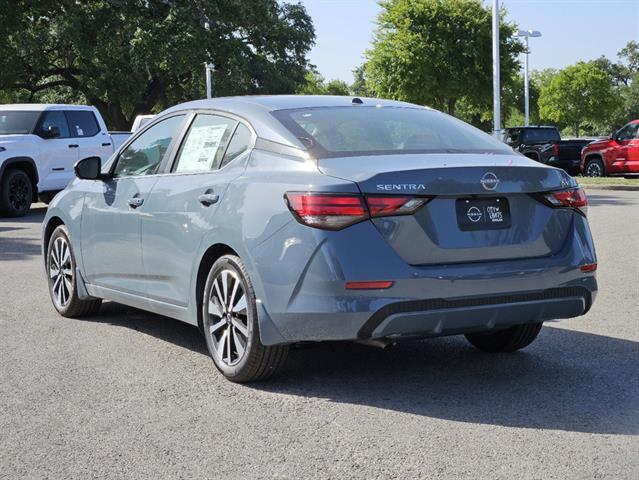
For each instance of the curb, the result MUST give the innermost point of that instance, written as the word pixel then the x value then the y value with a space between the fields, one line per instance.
pixel 627 188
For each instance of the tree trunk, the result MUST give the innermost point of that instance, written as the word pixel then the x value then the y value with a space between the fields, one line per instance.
pixel 576 130
pixel 450 106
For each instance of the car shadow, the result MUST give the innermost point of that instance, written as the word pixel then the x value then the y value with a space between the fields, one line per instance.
pixel 595 200
pixel 566 380
pixel 36 215
pixel 18 248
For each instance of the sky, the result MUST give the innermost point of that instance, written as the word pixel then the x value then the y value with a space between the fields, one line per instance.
pixel 572 30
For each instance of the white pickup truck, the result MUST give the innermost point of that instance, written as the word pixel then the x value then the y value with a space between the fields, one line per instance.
pixel 40 144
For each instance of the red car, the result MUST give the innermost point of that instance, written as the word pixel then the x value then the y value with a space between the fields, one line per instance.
pixel 616 155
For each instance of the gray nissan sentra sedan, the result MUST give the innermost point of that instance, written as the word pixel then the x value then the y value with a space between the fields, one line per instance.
pixel 272 220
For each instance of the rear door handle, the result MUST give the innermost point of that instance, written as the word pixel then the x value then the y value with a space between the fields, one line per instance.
pixel 106 144
pixel 74 145
pixel 136 202
pixel 208 198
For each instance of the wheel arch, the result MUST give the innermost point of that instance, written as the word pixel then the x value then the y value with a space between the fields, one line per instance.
pixel 594 156
pixel 53 223
pixel 28 165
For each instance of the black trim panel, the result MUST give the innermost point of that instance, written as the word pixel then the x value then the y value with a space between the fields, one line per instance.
pixel 440 304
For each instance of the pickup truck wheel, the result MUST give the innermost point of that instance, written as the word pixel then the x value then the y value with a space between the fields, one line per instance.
pixel 231 329
pixel 507 340
pixel 16 194
pixel 594 168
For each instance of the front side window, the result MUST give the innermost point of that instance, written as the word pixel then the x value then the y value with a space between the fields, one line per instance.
pixel 82 123
pixel 204 144
pixel 144 155
pixel 628 132
pixel 17 122
pixel 359 130
pixel 52 121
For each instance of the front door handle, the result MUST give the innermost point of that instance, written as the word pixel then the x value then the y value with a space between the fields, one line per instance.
pixel 208 198
pixel 74 145
pixel 136 202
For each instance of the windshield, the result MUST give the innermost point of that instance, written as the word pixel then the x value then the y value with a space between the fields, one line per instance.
pixel 15 123
pixel 358 130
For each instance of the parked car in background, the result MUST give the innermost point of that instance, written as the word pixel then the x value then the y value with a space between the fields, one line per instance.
pixel 140 121
pixel 616 155
pixel 39 144
pixel 272 220
pixel 544 144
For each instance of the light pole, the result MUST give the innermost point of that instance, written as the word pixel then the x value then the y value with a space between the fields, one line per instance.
pixel 496 84
pixel 208 66
pixel 527 34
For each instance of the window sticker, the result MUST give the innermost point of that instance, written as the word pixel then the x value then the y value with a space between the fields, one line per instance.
pixel 200 147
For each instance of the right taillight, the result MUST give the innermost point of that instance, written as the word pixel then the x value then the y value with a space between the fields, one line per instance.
pixel 575 199
pixel 334 211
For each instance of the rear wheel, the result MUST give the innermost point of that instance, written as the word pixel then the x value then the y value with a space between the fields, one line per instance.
pixel 61 275
pixel 16 194
pixel 594 168
pixel 230 325
pixel 508 340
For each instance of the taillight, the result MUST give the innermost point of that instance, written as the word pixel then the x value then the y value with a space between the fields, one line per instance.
pixel 334 211
pixel 555 150
pixel 575 199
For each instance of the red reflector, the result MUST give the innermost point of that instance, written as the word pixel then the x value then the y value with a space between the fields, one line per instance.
pixel 589 267
pixel 368 285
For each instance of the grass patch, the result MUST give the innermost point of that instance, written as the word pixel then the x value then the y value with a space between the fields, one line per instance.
pixel 585 181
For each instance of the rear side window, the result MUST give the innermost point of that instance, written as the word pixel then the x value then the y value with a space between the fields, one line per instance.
pixel 144 155
pixel 541 135
pixel 362 130
pixel 238 144
pixel 17 122
pixel 83 123
pixel 51 120
pixel 204 144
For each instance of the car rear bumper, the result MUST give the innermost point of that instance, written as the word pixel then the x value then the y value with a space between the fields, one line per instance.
pixel 308 300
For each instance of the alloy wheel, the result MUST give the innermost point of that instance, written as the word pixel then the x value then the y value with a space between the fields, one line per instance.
pixel 19 193
pixel 228 318
pixel 61 272
pixel 594 170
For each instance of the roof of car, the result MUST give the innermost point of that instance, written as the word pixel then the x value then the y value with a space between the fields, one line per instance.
pixel 40 107
pixel 256 109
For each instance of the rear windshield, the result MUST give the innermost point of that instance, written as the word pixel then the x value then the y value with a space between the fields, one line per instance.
pixel 359 130
pixel 541 135
pixel 15 123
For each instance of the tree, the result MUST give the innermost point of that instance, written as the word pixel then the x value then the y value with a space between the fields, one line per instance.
pixel 316 85
pixel 436 53
pixel 579 95
pixel 359 86
pixel 132 57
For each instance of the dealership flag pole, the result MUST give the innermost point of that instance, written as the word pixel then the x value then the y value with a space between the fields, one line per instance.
pixel 208 67
pixel 496 84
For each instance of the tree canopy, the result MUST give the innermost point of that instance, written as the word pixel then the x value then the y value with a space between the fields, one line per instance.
pixel 437 53
pixel 578 95
pixel 132 57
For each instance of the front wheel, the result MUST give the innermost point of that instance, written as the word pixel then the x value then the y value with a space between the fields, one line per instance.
pixel 61 276
pixel 231 328
pixel 508 340
pixel 16 193
pixel 594 168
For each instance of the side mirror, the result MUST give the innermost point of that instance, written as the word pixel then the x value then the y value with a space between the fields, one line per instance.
pixel 51 132
pixel 89 168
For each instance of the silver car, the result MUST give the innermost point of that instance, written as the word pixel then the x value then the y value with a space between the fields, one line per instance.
pixel 272 220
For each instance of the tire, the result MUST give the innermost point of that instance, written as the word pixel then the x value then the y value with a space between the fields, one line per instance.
pixel 61 277
pixel 231 328
pixel 594 168
pixel 16 194
pixel 509 340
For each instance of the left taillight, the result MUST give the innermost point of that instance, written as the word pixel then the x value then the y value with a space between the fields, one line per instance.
pixel 575 199
pixel 334 211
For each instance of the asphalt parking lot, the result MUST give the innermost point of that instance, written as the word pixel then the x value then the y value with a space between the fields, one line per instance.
pixel 128 394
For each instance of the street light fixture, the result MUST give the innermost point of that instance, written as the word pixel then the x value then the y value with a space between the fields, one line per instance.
pixel 527 34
